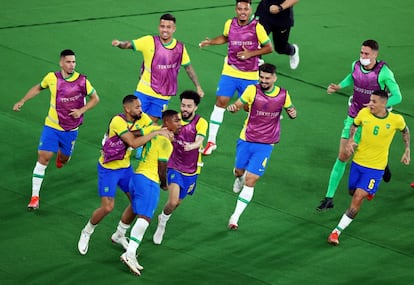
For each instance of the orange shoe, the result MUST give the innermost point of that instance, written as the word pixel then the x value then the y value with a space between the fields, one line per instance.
pixel 210 147
pixel 34 203
pixel 333 238
pixel 412 184
pixel 370 197
pixel 59 163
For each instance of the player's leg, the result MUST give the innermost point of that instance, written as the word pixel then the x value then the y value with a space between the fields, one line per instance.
pixel 66 146
pixel 225 91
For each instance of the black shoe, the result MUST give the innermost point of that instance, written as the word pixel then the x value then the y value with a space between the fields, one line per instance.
pixel 326 203
pixel 387 174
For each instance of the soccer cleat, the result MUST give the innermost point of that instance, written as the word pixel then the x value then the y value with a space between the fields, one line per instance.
pixel 233 224
pixel 34 203
pixel 120 239
pixel 294 59
pixel 333 238
pixel 83 243
pixel 132 263
pixel 370 197
pixel 238 183
pixel 159 233
pixel 412 184
pixel 210 147
pixel 59 163
pixel 326 203
pixel 387 174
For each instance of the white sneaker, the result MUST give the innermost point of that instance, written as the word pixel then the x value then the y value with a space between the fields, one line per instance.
pixel 233 223
pixel 132 263
pixel 294 59
pixel 239 183
pixel 120 239
pixel 159 233
pixel 83 243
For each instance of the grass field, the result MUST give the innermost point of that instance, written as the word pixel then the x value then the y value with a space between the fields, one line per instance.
pixel 281 239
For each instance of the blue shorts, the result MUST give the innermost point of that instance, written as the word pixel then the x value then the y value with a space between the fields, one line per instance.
pixel 187 183
pixel 145 195
pixel 110 179
pixel 152 106
pixel 365 178
pixel 348 122
pixel 54 140
pixel 252 157
pixel 228 85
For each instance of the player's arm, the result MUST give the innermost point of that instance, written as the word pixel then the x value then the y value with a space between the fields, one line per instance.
pixel 135 141
pixel 219 40
pixel 275 9
pixel 33 92
pixel 289 107
pixel 92 102
pixel 406 138
pixel 193 76
pixel 122 44
pixel 162 173
pixel 386 76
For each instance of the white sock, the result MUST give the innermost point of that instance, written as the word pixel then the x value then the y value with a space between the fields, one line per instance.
pixel 89 228
pixel 243 200
pixel 343 223
pixel 38 175
pixel 216 118
pixel 137 233
pixel 122 228
pixel 164 218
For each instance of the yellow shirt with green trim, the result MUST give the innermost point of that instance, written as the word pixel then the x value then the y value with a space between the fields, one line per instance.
pixel 248 97
pixel 117 127
pixel 231 71
pixel 146 46
pixel 376 137
pixel 50 81
pixel 156 150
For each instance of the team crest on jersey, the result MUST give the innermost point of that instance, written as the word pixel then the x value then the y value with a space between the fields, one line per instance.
pixel 388 126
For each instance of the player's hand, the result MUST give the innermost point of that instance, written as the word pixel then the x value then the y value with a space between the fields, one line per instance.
pixel 200 91
pixel 115 43
pixel 291 112
pixel 76 113
pixel 332 88
pixel 165 133
pixel 406 157
pixel 351 146
pixel 232 108
pixel 17 107
pixel 204 43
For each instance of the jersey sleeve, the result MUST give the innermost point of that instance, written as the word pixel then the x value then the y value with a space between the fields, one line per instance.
pixel 117 126
pixel 248 95
pixel 288 101
pixel 89 88
pixel 202 127
pixel 262 35
pixel 186 58
pixel 227 28
pixel 386 76
pixel 141 43
pixel 165 148
pixel 47 80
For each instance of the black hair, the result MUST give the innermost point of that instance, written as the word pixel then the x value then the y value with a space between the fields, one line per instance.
pixel 372 44
pixel 129 99
pixel 168 17
pixel 268 68
pixel 168 114
pixel 192 95
pixel 66 52
pixel 381 93
pixel 246 1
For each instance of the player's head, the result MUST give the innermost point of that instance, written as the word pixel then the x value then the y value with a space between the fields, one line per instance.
pixel 167 27
pixel 171 120
pixel 378 102
pixel 243 10
pixel 267 76
pixel 132 107
pixel 369 53
pixel 189 104
pixel 67 61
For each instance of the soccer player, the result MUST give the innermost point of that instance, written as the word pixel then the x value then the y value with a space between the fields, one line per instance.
pixel 150 175
pixel 276 16
pixel 114 167
pixel 185 161
pixel 163 57
pixel 261 131
pixel 68 90
pixel 378 127
pixel 368 74
pixel 247 41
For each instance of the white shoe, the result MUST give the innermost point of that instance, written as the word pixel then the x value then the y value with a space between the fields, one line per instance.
pixel 120 239
pixel 239 183
pixel 83 243
pixel 132 263
pixel 233 223
pixel 159 233
pixel 294 59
